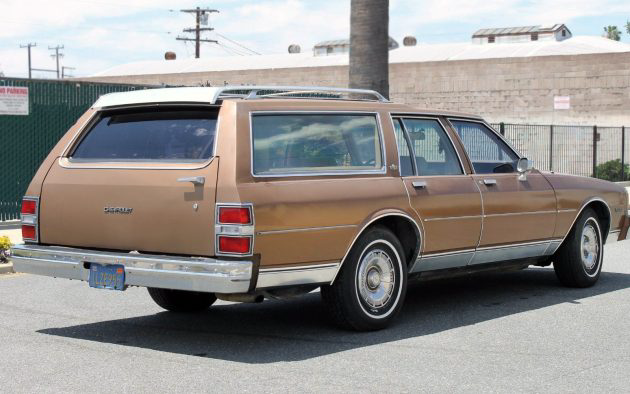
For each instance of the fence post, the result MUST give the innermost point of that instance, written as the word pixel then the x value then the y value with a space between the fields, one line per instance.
pixel 623 151
pixel 502 128
pixel 551 148
pixel 594 151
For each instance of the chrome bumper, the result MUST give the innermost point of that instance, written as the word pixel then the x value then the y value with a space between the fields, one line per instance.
pixel 168 272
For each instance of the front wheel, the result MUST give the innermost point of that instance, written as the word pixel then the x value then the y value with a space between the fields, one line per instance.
pixel 182 301
pixel 578 262
pixel 371 286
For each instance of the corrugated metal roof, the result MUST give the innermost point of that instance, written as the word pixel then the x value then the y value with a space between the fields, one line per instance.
pixel 421 53
pixel 505 30
pixel 332 43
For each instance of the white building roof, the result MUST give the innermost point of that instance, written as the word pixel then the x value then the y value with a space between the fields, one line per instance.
pixel 506 31
pixel 577 45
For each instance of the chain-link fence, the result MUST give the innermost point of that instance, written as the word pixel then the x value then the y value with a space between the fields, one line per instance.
pixel 25 140
pixel 601 152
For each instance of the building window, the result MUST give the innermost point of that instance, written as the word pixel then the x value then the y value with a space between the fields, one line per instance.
pixel 490 39
pixel 564 33
pixel 534 36
pixel 329 49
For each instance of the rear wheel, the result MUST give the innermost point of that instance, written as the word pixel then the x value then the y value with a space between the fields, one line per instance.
pixel 371 286
pixel 578 262
pixel 182 301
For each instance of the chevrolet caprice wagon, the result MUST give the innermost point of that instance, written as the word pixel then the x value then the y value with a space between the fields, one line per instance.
pixel 242 193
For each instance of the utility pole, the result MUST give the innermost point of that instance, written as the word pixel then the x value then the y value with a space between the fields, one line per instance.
pixel 28 48
pixel 63 71
pixel 57 55
pixel 199 14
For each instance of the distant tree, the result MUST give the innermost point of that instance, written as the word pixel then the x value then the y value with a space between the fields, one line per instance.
pixel 612 32
pixel 628 27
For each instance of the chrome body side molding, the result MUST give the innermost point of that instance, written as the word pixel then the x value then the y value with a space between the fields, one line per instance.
pixel 303 229
pixel 293 276
pixel 509 252
pixel 440 261
pixel 483 255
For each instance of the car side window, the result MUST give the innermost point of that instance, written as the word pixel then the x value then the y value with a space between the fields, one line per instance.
pixel 487 152
pixel 406 163
pixel 315 143
pixel 433 150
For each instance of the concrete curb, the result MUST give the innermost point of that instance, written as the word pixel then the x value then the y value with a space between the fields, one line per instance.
pixel 6 268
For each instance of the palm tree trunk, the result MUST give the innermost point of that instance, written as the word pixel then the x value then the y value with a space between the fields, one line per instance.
pixel 369 41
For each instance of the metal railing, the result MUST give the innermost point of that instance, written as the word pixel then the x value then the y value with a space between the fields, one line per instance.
pixel 594 151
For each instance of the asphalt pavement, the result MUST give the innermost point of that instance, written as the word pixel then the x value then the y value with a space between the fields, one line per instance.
pixel 509 332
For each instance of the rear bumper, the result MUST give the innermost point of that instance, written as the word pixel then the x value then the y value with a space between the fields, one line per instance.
pixel 168 272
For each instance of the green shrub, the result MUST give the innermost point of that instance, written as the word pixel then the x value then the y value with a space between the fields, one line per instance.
pixel 611 171
pixel 5 247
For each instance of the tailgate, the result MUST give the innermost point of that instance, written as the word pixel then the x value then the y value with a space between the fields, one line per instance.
pixel 132 183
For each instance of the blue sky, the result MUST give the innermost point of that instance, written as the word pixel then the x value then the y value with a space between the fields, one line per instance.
pixel 98 34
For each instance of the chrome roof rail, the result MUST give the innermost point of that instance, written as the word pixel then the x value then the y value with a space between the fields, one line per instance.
pixel 308 92
pixel 212 95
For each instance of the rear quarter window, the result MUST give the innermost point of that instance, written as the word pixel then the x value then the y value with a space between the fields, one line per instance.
pixel 315 143
pixel 150 135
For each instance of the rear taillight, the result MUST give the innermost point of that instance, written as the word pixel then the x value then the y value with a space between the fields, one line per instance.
pixel 240 245
pixel 29 232
pixel 235 215
pixel 30 216
pixel 234 230
pixel 29 207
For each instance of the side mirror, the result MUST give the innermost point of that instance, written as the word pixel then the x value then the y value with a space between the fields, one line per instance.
pixel 523 166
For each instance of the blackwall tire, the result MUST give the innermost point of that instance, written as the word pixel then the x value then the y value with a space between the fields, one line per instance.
pixel 182 301
pixel 371 286
pixel 578 262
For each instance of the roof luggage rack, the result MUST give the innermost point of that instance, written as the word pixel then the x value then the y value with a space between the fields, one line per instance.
pixel 307 92
pixel 211 95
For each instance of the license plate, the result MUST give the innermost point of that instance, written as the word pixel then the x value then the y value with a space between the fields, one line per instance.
pixel 111 277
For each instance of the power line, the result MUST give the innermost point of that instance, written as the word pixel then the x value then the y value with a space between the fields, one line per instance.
pixel 200 13
pixel 230 50
pixel 63 71
pixel 234 42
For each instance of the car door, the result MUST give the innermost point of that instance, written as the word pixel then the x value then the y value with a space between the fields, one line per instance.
pixel 446 199
pixel 519 211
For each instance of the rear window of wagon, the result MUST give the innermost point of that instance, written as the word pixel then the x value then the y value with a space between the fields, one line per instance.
pixel 175 135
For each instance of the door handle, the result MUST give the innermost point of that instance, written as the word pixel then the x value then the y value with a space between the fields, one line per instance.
pixel 419 184
pixel 490 182
pixel 196 180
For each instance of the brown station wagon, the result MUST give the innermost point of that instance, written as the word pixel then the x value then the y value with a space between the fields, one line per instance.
pixel 242 193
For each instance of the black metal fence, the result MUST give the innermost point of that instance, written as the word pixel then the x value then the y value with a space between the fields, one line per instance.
pixel 600 152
